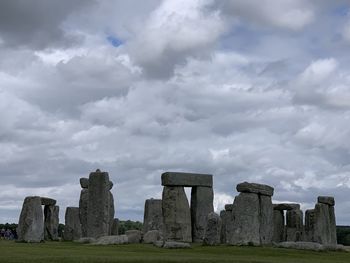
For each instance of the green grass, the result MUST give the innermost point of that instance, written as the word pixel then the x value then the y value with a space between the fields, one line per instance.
pixel 51 252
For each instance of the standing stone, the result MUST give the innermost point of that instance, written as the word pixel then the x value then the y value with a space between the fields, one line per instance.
pixel 225 218
pixel 153 219
pixel 246 220
pixel 278 223
pixel 201 205
pixel 266 220
pixel 176 214
pixel 83 209
pixel 99 207
pixel 111 210
pixel 294 225
pixel 309 225
pixel 72 228
pixel 324 228
pixel 328 200
pixel 51 215
pixel 31 221
pixel 212 230
pixel 115 227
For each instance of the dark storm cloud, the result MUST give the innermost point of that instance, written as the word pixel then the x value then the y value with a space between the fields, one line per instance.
pixel 37 24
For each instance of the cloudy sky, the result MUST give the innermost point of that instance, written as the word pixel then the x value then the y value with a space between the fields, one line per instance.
pixel 248 90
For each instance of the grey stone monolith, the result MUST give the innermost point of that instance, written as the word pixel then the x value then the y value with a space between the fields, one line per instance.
pixel 324 226
pixel 186 179
pixel 134 236
pixel 152 219
pixel 31 221
pixel 294 225
pixel 309 225
pixel 278 224
pixel 212 230
pixel 151 236
pixel 51 222
pixel 72 227
pixel 99 217
pixel 266 220
pixel 111 211
pixel 225 218
pixel 328 200
pixel 261 189
pixel 83 209
pixel 201 205
pixel 115 227
pixel 176 214
pixel 246 224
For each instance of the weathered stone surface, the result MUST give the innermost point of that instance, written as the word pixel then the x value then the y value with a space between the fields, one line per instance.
pixel 111 212
pixel 83 210
pixel 47 201
pixel 99 217
pixel 186 179
pixel 151 236
pixel 286 206
pixel 110 185
pixel 309 225
pixel 246 220
pixel 294 225
pixel 72 228
pixel 261 189
pixel 174 245
pixel 201 205
pixel 112 240
pixel 84 182
pixel 31 221
pixel 225 218
pixel 311 246
pixel 51 221
pixel 266 220
pixel 115 227
pixel 278 226
pixel 328 200
pixel 212 230
pixel 229 207
pixel 134 236
pixel 152 219
pixel 86 240
pixel 324 226
pixel 176 215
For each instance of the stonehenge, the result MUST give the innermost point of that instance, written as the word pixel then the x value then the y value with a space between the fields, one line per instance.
pixel 252 218
pixel 182 222
pixel 36 226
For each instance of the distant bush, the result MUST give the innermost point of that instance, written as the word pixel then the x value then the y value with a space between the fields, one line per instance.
pixel 129 225
pixel 343 235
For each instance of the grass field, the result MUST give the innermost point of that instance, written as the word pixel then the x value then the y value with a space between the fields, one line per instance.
pixel 51 252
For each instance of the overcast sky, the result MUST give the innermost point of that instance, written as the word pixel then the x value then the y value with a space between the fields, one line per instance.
pixel 247 90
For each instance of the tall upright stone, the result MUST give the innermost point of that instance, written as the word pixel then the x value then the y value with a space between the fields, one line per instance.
pixel 31 221
pixel 115 227
pixel 176 214
pixel 325 225
pixel 225 216
pixel 278 224
pixel 309 225
pixel 72 227
pixel 152 219
pixel 246 220
pixel 212 230
pixel 99 218
pixel 201 205
pixel 266 220
pixel 51 222
pixel 83 210
pixel 294 225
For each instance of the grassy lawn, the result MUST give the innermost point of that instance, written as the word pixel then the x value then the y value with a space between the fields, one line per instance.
pixel 51 252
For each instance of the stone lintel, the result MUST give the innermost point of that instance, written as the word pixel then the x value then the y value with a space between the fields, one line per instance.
pixel 261 189
pixel 187 179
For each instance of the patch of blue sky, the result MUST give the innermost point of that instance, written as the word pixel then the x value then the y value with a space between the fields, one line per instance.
pixel 114 41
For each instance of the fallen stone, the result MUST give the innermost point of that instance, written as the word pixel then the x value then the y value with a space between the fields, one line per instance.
pixel 201 205
pixel 112 240
pixel 176 215
pixel 84 182
pixel 31 221
pixel 47 201
pixel 229 207
pixel 261 189
pixel 159 243
pixel 246 224
pixel 152 219
pixel 286 206
pixel 328 200
pixel 213 230
pixel 175 245
pixel 134 236
pixel 186 179
pixel 151 236
pixel 301 245
pixel 72 227
pixel 51 221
